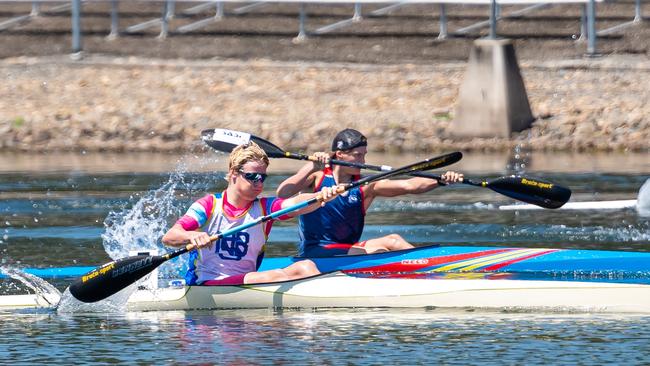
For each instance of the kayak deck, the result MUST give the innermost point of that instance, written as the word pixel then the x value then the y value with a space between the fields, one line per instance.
pixel 433 258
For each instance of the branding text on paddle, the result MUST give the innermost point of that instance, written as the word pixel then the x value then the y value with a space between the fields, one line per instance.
pixel 225 139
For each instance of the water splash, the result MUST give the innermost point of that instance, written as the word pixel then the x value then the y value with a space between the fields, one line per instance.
pixel 113 304
pixel 410 205
pixel 643 200
pixel 149 215
pixel 519 159
pixel 551 232
pixel 460 233
pixel 39 286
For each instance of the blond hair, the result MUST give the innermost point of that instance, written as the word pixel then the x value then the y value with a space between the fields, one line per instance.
pixel 245 153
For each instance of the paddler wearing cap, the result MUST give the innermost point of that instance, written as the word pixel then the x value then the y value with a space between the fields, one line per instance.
pixel 336 228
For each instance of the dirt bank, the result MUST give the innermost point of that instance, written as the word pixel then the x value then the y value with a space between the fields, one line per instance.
pixel 387 76
pixel 143 104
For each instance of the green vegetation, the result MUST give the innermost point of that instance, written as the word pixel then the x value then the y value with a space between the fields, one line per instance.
pixel 18 122
pixel 442 116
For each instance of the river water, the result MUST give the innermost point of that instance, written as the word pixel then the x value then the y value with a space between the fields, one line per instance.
pixel 61 210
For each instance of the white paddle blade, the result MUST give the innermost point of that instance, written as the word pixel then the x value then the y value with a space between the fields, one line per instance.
pixel 234 138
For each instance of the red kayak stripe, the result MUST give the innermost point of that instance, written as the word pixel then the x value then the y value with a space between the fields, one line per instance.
pixel 498 266
pixel 408 265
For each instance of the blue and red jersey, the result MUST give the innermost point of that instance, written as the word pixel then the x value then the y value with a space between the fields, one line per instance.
pixel 340 221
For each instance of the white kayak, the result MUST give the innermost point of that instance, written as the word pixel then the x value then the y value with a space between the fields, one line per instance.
pixel 338 289
pixel 429 276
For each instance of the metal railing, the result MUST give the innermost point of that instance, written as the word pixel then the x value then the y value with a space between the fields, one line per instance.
pixel 168 8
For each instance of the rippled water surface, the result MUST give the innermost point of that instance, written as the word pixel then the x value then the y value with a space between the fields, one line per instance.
pixel 355 337
pixel 60 215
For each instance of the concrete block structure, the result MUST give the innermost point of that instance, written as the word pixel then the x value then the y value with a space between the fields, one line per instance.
pixel 492 100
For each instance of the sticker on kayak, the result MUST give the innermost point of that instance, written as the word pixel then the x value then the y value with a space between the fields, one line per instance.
pixel 232 137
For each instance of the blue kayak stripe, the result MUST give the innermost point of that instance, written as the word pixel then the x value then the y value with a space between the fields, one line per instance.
pixel 55 272
pixel 558 261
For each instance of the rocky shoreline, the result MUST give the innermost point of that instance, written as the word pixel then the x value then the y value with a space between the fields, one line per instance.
pixel 140 104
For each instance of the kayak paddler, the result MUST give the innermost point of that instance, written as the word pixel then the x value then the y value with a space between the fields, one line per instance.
pixel 234 259
pixel 336 228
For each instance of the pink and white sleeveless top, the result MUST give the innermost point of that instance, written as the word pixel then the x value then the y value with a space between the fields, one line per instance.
pixel 234 254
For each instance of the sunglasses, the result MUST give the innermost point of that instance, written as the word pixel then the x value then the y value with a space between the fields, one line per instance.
pixel 254 177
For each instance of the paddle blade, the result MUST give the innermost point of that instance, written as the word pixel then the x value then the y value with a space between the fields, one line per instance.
pixel 112 277
pixel 533 191
pixel 226 140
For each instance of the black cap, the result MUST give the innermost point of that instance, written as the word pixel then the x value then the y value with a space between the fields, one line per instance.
pixel 348 139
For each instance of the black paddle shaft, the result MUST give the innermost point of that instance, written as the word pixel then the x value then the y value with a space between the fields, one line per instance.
pixel 297 156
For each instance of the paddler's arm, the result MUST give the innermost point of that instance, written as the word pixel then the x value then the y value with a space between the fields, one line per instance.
pixel 392 188
pixel 304 178
pixel 327 194
pixel 185 231
pixel 177 236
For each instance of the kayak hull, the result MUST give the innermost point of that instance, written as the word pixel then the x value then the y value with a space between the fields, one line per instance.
pixel 340 290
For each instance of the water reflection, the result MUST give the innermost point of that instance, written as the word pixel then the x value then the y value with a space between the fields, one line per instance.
pixel 420 336
pixel 346 336
pixel 371 336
